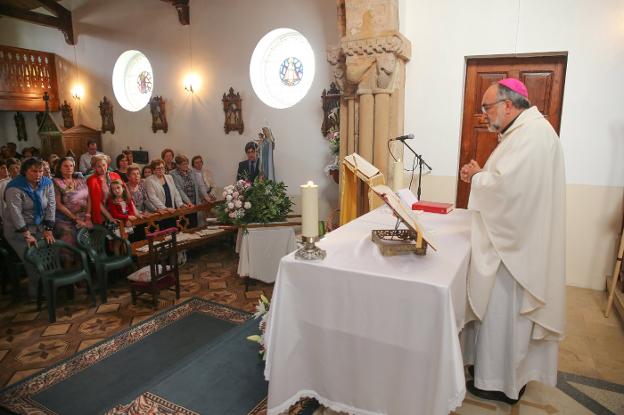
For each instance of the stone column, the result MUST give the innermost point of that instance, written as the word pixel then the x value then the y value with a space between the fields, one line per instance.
pixel 382 124
pixel 369 67
pixel 366 125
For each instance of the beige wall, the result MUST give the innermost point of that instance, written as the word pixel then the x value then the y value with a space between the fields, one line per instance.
pixel 594 219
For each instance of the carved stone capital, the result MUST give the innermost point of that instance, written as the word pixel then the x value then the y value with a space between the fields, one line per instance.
pixel 336 58
pixel 394 43
pixel 381 52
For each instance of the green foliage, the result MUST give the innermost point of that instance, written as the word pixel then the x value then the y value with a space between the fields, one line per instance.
pixel 269 202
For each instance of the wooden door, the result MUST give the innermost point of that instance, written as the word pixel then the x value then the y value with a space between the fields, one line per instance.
pixel 544 78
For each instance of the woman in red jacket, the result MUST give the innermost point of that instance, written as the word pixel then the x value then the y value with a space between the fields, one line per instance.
pixel 99 188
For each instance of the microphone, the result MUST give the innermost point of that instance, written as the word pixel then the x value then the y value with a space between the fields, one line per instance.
pixel 403 137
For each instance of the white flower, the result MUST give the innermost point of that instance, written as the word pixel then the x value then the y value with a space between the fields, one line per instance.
pixel 247 205
pixel 232 215
pixel 238 203
pixel 230 205
pixel 228 198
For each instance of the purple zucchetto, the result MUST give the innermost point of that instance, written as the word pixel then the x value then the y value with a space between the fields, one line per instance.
pixel 515 85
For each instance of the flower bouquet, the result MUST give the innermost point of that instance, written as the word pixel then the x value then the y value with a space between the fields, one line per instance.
pixel 263 202
pixel 235 205
pixel 262 312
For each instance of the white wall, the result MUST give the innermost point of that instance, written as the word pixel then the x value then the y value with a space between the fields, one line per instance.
pixel 223 35
pixel 445 33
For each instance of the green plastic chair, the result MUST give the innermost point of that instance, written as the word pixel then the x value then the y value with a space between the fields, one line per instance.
pixel 93 241
pixel 46 260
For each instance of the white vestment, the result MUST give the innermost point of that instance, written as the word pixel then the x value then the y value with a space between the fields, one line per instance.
pixel 518 228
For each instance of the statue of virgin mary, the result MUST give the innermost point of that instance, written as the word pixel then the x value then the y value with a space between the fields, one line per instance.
pixel 266 145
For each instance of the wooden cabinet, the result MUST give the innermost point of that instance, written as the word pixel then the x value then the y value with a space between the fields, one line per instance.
pixel 76 138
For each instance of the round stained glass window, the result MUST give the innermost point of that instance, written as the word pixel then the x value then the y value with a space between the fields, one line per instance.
pixel 291 71
pixel 282 68
pixel 133 80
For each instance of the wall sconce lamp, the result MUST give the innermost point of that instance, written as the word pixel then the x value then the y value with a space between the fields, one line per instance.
pixel 77 92
pixel 191 83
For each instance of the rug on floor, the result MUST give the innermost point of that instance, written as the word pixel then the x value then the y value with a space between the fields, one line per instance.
pixel 191 358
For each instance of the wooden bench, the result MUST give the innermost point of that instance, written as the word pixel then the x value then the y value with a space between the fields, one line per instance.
pixel 189 238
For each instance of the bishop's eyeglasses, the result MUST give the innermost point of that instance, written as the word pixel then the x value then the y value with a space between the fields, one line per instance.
pixel 486 107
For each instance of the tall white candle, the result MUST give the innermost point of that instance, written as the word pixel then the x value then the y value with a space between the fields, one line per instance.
pixel 398 175
pixel 309 209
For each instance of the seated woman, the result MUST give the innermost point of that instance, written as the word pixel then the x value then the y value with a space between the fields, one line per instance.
pixel 30 213
pixel 203 177
pixel 146 172
pixel 207 190
pixel 122 167
pixel 162 192
pixel 167 156
pixel 142 204
pixel 99 188
pixel 72 196
pixel 187 186
pixel 137 190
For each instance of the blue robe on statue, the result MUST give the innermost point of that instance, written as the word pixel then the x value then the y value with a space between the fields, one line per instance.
pixel 265 151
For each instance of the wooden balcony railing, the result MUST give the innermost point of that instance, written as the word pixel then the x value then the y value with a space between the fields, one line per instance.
pixel 25 75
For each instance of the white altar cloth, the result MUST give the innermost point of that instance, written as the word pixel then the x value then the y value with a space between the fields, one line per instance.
pixel 261 249
pixel 368 334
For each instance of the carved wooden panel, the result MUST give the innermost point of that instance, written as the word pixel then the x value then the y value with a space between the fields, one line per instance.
pixel 25 75
pixel 233 109
pixel 159 114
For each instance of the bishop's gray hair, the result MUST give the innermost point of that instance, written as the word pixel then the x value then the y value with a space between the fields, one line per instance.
pixel 516 99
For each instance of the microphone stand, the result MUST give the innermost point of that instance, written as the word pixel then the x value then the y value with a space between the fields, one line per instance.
pixel 421 161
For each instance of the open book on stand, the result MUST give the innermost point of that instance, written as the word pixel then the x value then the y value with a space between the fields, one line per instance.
pixel 414 235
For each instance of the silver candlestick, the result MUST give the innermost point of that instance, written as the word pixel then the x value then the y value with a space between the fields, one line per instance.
pixel 310 251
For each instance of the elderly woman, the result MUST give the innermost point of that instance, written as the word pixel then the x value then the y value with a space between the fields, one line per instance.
pixel 162 191
pixel 142 204
pixel 138 192
pixel 30 213
pixel 168 155
pixel 99 187
pixel 184 180
pixel 72 197
pixel 203 177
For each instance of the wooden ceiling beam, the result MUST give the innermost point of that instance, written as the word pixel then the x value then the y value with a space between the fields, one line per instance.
pixel 184 10
pixel 62 21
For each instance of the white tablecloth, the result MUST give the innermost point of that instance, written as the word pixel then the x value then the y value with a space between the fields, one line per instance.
pixel 368 334
pixel 261 249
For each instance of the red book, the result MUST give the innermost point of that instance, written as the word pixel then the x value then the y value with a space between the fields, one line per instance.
pixel 433 207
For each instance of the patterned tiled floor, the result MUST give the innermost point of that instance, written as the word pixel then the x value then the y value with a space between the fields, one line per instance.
pixel 591 353
pixel 28 343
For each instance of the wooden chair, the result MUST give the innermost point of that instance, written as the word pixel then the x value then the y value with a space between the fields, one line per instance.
pixel 47 262
pixel 162 271
pixel 93 241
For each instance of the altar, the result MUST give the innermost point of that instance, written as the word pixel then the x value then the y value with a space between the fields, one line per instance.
pixel 370 334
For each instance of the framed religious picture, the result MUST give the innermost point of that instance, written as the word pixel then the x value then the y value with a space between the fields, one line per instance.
pixel 331 101
pixel 159 116
pixel 20 125
pixel 68 115
pixel 106 112
pixel 232 107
